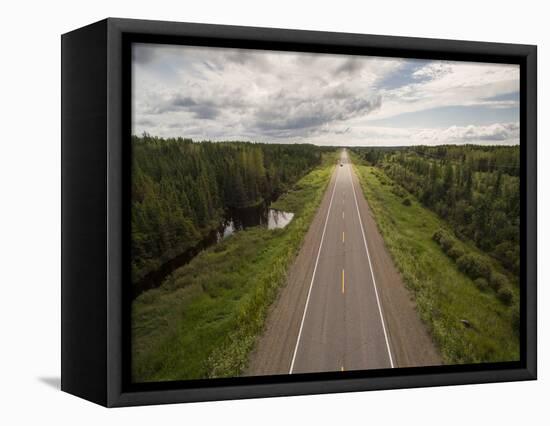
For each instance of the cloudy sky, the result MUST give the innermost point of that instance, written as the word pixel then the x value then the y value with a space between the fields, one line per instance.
pixel 238 94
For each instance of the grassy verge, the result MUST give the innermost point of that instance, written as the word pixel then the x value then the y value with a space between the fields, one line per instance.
pixel 468 323
pixel 204 320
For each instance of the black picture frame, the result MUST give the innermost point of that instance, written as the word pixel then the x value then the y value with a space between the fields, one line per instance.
pixel 95 209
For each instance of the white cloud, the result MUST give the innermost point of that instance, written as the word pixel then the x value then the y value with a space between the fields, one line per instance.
pixel 217 94
pixel 444 84
pixel 433 70
pixel 499 133
pixel 494 134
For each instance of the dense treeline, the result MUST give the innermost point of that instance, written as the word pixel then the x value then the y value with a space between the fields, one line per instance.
pixel 181 188
pixel 474 188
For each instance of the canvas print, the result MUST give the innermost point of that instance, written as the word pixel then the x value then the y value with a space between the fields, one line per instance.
pixel 308 213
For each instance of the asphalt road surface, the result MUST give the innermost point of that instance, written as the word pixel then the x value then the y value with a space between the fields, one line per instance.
pixel 345 306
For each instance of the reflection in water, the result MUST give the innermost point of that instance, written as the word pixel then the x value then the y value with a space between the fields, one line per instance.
pixel 278 219
pixel 235 220
pixel 240 219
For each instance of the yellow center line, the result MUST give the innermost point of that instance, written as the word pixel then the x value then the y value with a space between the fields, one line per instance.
pixel 343 283
pixel 343 237
pixel 342 214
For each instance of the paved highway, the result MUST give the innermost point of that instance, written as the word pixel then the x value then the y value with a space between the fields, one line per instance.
pixel 345 306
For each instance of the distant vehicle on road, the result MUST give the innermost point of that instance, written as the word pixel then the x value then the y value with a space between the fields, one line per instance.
pixel 341 164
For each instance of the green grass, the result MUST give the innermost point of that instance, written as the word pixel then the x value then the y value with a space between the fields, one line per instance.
pixel 204 320
pixel 444 296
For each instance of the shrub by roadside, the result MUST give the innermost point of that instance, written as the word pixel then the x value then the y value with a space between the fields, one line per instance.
pixel 505 295
pixel 482 284
pixel 455 252
pixel 474 266
pixel 498 281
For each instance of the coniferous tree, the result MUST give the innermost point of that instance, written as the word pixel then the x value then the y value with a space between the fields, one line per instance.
pixel 181 188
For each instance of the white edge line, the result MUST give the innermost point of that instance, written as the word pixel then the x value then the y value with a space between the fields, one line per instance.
pixel 371 271
pixel 312 279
